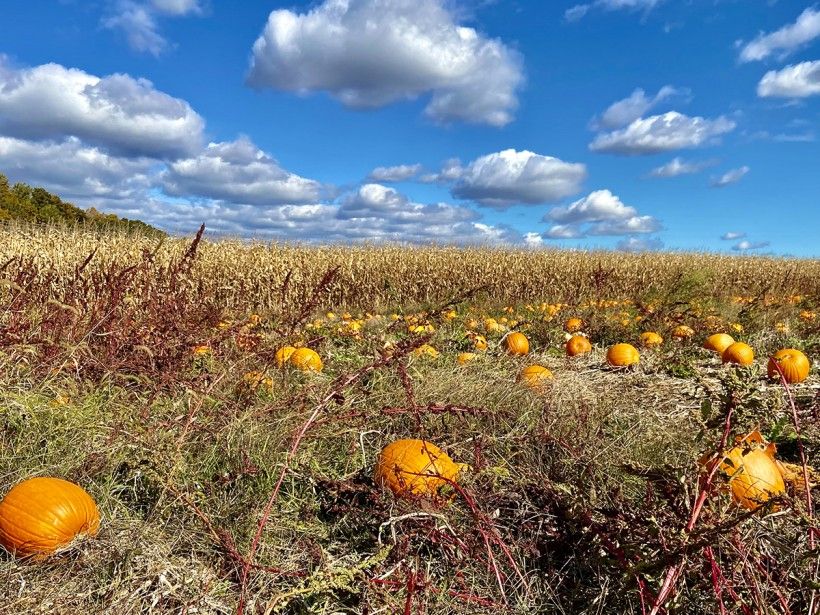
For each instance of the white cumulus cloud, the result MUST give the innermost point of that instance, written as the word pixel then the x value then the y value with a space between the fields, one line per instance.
pixel 598 213
pixel 624 112
pixel 785 40
pixel 661 133
pixel 732 235
pixel 396 173
pixel 750 245
pixel 369 53
pixel 138 21
pixel 794 81
pixel 511 177
pixel 119 113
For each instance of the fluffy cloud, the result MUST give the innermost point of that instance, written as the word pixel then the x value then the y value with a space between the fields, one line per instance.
pixel 509 177
pixel 732 235
pixel 629 109
pixel 750 245
pixel 794 81
pixel 637 244
pixel 370 53
pixel 598 213
pixel 579 10
pixel 138 21
pixel 398 173
pixel 238 172
pixel 677 166
pixel 786 39
pixel 730 177
pixel 75 171
pixel 661 133
pixel 118 113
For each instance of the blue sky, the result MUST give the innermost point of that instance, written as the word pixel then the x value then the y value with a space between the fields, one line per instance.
pixel 628 124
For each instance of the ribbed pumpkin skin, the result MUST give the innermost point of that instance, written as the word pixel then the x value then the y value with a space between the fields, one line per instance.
pixel 534 376
pixel 754 477
pixel 795 365
pixel 739 353
pixel 622 355
pixel 41 515
pixel 718 342
pixel 414 467
pixel 578 344
pixel 573 325
pixel 650 339
pixel 517 344
pixel 306 359
pixel 283 355
pixel 682 332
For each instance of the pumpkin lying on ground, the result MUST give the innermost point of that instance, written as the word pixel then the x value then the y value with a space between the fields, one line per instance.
pixel 718 342
pixel 466 357
pixel 573 325
pixel 739 353
pixel 682 332
pixel 535 376
pixel 42 515
pixel 306 359
pixel 415 467
pixel 622 355
pixel 754 476
pixel 794 364
pixel 517 344
pixel 577 345
pixel 650 339
pixel 283 355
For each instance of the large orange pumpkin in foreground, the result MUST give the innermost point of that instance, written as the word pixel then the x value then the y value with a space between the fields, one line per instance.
pixel 306 359
pixel 718 342
pixel 578 344
pixel 42 515
pixel 739 353
pixel 795 365
pixel 650 339
pixel 535 376
pixel 754 476
pixel 517 344
pixel 415 467
pixel 622 355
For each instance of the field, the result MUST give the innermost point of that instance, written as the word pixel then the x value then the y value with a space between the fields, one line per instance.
pixel 146 371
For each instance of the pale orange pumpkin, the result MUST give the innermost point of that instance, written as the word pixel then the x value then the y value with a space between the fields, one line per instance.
pixel 754 476
pixel 573 325
pixel 622 355
pixel 577 345
pixel 415 467
pixel 739 353
pixel 535 376
pixel 718 342
pixel 465 357
pixel 426 351
pixel 42 515
pixel 650 339
pixel 682 332
pixel 795 365
pixel 283 354
pixel 517 344
pixel 306 359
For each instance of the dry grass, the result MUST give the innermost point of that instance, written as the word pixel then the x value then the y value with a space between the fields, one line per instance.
pixel 576 498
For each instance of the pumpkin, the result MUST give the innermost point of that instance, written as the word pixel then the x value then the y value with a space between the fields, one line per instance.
pixel 466 357
pixel 415 467
pixel 650 339
pixel 534 376
pixel 283 355
pixel 42 515
pixel 622 355
pixel 682 332
pixel 754 476
pixel 739 353
pixel 718 342
pixel 573 325
pixel 577 345
pixel 426 350
pixel 306 359
pixel 795 365
pixel 480 342
pixel 517 344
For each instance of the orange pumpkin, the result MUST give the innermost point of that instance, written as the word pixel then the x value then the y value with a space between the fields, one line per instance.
pixel 577 345
pixel 466 357
pixel 517 344
pixel 682 332
pixel 650 339
pixel 622 355
pixel 426 350
pixel 754 476
pixel 415 467
pixel 573 325
pixel 795 365
pixel 739 353
pixel 534 376
pixel 306 359
pixel 718 342
pixel 480 342
pixel 42 515
pixel 283 354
